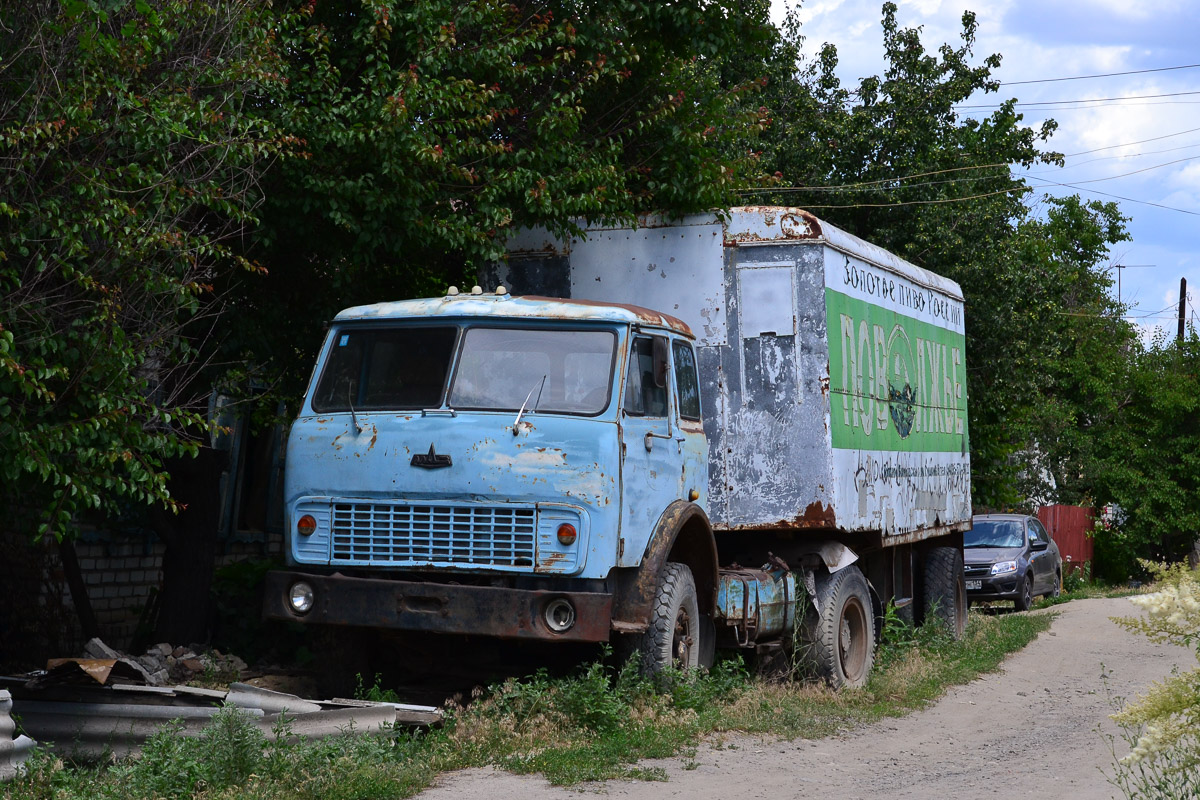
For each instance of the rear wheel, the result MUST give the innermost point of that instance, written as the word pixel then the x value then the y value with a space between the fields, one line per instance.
pixel 946 590
pixel 841 647
pixel 676 629
pixel 1025 599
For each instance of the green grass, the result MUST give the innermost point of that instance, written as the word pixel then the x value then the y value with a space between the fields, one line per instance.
pixel 593 726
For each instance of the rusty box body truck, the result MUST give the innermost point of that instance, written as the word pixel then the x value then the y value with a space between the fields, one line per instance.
pixel 767 458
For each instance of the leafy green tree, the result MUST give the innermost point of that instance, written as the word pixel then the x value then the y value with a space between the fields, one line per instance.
pixel 894 162
pixel 432 127
pixel 130 162
pixel 1149 459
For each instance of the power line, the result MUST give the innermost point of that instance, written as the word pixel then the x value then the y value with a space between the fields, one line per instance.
pixel 1106 75
pixel 1115 196
pixel 1131 144
pixel 1131 155
pixel 1093 100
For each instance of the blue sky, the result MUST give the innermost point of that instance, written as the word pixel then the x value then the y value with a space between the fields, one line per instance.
pixel 1141 148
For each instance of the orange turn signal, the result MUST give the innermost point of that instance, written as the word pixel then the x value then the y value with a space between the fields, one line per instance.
pixel 566 533
pixel 306 526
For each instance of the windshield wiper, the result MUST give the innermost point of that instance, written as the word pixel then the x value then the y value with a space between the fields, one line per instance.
pixel 353 417
pixel 539 387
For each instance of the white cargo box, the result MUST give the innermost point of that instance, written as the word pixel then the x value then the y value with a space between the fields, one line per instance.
pixel 833 374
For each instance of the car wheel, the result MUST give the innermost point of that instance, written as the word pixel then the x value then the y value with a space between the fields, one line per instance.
pixel 946 590
pixel 674 635
pixel 1025 599
pixel 1057 589
pixel 841 639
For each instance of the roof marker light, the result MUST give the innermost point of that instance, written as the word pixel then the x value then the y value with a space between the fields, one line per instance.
pixel 476 290
pixel 452 291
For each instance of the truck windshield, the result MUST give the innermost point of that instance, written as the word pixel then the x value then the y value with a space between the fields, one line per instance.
pixel 558 371
pixel 386 368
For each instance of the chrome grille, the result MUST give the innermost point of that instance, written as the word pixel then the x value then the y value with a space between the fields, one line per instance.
pixel 399 534
pixel 978 570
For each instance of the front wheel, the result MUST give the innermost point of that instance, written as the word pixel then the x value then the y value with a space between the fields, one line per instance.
pixel 674 637
pixel 1025 599
pixel 841 646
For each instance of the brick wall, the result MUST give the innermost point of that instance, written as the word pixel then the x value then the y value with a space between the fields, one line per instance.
pixel 122 571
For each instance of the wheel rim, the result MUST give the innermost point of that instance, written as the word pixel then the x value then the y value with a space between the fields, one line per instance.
pixel 853 647
pixel 1027 592
pixel 682 639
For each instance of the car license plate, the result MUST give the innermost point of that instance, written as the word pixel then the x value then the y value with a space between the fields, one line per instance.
pixel 974 585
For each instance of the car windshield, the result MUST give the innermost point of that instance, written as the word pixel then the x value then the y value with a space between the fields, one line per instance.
pixel 995 533
pixel 386 368
pixel 557 371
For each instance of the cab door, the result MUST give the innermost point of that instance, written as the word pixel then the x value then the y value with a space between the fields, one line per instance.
pixel 651 458
pixel 1041 557
pixel 689 432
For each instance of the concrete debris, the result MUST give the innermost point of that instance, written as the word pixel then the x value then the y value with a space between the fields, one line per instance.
pixel 13 751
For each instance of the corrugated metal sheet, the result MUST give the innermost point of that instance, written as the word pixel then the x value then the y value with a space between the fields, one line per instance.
pixel 118 720
pixel 1070 526
pixel 13 751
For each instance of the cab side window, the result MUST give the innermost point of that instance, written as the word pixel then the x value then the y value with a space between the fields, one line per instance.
pixel 646 382
pixel 1038 534
pixel 687 384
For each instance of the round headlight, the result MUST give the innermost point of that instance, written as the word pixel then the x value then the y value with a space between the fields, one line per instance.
pixel 560 615
pixel 301 598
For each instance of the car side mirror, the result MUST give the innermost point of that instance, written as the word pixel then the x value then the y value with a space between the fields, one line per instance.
pixel 1040 545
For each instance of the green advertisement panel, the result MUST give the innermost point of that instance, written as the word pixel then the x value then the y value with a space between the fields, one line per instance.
pixel 895 382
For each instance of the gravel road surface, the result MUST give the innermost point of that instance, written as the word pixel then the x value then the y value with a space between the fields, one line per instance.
pixel 1034 729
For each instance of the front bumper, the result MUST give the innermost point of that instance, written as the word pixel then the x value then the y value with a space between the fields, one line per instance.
pixel 438 607
pixel 994 587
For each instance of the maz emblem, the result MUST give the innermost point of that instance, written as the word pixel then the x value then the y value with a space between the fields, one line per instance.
pixel 430 460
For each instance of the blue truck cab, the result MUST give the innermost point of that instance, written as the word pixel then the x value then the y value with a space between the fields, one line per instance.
pixel 515 467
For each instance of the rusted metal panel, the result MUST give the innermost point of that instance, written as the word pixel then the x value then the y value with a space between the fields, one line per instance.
pixel 119 720
pixel 13 749
pixel 502 612
pixel 757 604
pixel 506 306
pixel 1070 527
pixel 832 371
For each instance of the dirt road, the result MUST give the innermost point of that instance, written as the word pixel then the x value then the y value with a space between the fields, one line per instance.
pixel 1033 730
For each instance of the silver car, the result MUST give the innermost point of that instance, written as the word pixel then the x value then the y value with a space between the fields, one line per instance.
pixel 1010 557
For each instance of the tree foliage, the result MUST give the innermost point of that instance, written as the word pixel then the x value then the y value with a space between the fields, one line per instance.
pixel 1149 458
pixel 129 166
pixel 431 128
pixel 893 161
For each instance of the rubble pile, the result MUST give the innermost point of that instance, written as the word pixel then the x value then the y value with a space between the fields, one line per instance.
pixel 167 665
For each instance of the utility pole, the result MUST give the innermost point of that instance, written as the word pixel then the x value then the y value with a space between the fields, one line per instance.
pixel 1118 268
pixel 1182 306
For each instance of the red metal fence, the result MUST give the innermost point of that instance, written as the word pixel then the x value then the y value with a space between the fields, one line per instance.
pixel 1069 526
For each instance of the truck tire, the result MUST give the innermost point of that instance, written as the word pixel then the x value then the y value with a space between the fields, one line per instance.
pixel 674 636
pixel 946 590
pixel 841 636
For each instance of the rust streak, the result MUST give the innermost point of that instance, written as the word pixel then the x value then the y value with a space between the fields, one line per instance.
pixel 644 314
